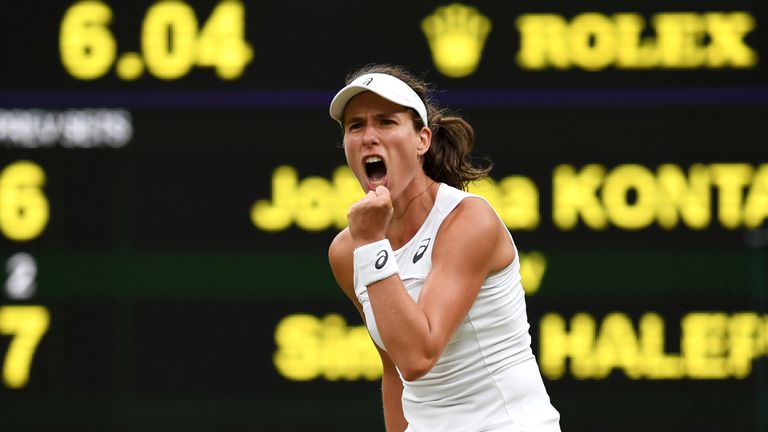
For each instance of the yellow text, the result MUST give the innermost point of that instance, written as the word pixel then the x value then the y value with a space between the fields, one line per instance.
pixel 23 205
pixel 628 196
pixel 27 325
pixel 633 197
pixel 713 345
pixel 533 265
pixel 172 41
pixel 309 347
pixel 515 199
pixel 593 41
pixel 315 203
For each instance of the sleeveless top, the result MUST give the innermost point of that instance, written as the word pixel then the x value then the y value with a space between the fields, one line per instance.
pixel 487 378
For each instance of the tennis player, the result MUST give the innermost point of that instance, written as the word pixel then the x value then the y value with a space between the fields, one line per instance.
pixel 432 270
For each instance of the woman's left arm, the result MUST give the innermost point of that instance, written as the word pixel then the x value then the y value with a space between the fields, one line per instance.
pixel 468 247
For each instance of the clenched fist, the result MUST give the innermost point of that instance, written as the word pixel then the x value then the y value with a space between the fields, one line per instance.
pixel 370 217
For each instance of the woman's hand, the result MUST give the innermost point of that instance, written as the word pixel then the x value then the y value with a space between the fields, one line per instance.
pixel 369 218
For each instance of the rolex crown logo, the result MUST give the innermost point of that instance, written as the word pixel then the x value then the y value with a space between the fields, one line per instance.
pixel 456 34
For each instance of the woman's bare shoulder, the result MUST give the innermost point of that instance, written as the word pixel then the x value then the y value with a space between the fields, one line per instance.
pixel 474 228
pixel 340 256
pixel 474 212
pixel 341 247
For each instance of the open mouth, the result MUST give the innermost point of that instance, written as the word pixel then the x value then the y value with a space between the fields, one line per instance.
pixel 375 169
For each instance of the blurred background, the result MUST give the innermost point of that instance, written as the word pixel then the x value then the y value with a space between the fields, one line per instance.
pixel 170 181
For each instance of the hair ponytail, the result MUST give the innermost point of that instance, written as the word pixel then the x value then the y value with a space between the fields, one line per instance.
pixel 448 159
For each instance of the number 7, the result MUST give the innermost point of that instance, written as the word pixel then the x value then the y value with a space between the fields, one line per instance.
pixel 27 324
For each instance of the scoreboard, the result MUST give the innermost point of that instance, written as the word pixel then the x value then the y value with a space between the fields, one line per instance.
pixel 170 181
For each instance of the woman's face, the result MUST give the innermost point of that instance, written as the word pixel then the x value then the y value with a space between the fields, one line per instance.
pixel 381 144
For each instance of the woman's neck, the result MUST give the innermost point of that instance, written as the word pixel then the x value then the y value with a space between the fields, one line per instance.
pixel 411 210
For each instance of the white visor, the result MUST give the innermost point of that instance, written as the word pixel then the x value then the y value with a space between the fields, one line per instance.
pixel 386 86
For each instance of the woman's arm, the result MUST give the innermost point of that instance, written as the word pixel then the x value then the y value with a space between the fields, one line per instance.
pixel 470 244
pixel 340 257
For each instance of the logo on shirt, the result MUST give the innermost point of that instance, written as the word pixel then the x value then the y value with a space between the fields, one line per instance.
pixel 422 248
pixel 381 261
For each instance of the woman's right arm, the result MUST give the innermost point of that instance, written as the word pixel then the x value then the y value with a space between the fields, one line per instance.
pixel 340 255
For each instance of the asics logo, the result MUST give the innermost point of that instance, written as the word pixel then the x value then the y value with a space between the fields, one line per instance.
pixel 422 248
pixel 381 259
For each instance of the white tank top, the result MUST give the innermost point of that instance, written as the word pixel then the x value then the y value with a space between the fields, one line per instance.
pixel 487 378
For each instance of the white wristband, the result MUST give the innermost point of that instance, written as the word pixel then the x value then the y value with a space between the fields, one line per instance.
pixel 374 262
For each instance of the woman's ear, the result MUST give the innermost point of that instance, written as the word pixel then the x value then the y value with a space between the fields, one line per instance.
pixel 425 140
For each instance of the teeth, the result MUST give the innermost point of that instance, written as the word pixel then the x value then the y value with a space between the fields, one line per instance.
pixel 372 159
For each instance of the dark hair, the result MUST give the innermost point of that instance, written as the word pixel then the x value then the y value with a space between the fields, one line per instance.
pixel 448 158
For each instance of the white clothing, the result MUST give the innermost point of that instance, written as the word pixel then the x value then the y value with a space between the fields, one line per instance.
pixel 487 378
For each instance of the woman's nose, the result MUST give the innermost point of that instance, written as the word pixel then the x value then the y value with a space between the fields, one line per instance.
pixel 370 136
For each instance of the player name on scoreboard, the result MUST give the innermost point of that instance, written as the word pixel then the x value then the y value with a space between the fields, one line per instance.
pixel 593 195
pixel 713 345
